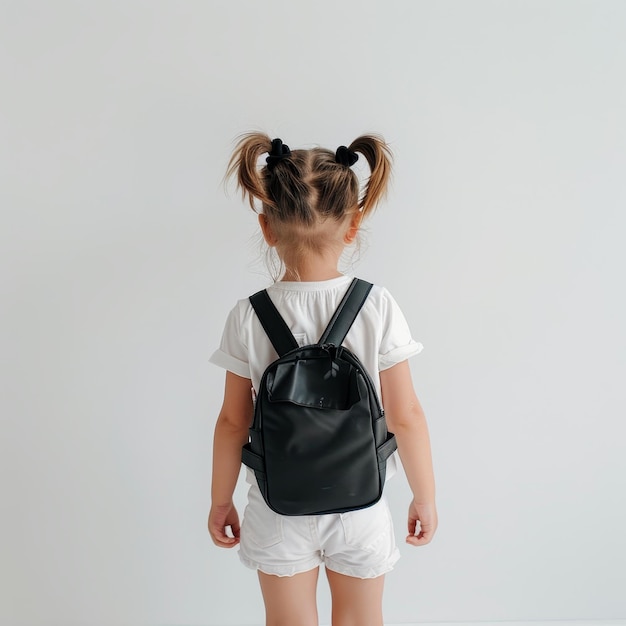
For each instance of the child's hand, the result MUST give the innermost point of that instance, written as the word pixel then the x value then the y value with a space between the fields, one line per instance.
pixel 221 518
pixel 426 516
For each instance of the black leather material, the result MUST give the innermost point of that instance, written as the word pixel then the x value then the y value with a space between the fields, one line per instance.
pixel 279 333
pixel 346 312
pixel 316 379
pixel 273 324
pixel 319 441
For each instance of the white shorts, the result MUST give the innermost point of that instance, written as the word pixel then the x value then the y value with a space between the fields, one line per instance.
pixel 358 543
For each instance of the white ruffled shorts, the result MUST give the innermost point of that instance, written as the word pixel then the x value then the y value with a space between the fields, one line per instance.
pixel 358 543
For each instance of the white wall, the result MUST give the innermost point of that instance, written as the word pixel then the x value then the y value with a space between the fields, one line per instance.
pixel 502 239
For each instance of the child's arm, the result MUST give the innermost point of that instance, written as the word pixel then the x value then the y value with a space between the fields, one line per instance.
pixel 231 433
pixel 406 419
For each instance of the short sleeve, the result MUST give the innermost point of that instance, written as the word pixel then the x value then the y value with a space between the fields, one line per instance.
pixel 397 344
pixel 232 354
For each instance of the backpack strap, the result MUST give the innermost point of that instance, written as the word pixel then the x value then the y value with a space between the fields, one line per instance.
pixel 282 338
pixel 346 312
pixel 274 325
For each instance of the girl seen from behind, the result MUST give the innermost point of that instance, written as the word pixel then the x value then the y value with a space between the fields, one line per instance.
pixel 312 209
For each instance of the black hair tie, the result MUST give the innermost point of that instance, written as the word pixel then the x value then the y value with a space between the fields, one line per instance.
pixel 346 157
pixel 279 151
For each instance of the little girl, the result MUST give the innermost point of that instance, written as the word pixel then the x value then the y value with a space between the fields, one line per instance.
pixel 312 210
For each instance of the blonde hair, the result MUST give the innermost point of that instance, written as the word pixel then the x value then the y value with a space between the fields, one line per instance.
pixel 307 187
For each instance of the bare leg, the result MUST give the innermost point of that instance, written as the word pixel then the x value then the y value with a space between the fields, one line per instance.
pixel 356 601
pixel 290 600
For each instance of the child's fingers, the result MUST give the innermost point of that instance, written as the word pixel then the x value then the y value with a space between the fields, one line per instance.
pixel 423 537
pixel 236 529
pixel 422 524
pixel 218 529
pixel 418 541
pixel 221 539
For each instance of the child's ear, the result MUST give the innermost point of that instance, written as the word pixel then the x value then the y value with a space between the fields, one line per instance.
pixel 353 229
pixel 266 229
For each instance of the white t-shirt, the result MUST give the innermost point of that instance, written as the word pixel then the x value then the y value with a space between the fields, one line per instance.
pixel 380 336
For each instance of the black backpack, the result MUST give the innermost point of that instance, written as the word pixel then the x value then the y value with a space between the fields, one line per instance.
pixel 319 441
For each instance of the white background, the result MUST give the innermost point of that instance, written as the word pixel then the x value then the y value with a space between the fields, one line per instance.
pixel 502 238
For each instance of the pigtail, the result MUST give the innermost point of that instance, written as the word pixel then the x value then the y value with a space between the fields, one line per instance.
pixel 243 165
pixel 379 157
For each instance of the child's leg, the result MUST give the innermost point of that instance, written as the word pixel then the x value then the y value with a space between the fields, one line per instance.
pixel 290 600
pixel 356 601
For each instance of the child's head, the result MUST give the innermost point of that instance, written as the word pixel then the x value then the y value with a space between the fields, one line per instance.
pixel 310 199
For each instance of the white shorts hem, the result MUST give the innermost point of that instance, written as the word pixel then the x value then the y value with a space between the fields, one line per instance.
pixel 369 572
pixel 281 570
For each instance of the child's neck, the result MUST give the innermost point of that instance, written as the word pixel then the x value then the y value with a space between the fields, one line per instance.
pixel 306 277
pixel 313 269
